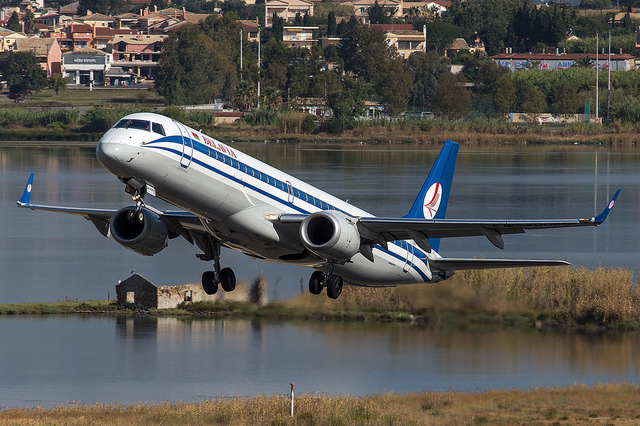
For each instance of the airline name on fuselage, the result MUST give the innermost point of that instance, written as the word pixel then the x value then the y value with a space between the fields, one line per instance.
pixel 216 145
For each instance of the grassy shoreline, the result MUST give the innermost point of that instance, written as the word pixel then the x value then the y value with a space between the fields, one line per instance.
pixel 580 299
pixel 469 137
pixel 67 117
pixel 599 404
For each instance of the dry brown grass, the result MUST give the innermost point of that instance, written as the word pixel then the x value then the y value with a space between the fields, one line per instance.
pixel 604 296
pixel 597 405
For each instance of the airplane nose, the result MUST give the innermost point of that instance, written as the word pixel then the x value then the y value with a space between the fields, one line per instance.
pixel 107 152
pixel 104 150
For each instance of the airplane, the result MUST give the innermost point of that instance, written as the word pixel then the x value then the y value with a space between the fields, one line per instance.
pixel 229 199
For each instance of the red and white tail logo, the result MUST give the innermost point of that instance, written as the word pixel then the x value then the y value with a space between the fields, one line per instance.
pixel 432 201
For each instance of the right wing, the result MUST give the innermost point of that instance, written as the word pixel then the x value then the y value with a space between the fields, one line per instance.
pixel 179 222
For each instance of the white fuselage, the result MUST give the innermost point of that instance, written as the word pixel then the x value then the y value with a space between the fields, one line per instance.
pixel 236 196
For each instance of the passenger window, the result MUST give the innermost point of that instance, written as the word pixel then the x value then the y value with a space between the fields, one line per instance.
pixel 157 127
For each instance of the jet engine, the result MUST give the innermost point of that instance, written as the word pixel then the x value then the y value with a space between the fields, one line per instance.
pixel 330 235
pixel 141 231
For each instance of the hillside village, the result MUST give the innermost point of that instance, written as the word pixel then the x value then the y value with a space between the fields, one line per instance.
pixel 462 59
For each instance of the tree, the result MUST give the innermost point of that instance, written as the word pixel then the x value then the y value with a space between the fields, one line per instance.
pixel 504 95
pixel 298 75
pixel 452 97
pixel 29 21
pixel 23 73
pixel 277 26
pixel 332 26
pixel 564 99
pixel 14 23
pixel 56 82
pixel 377 14
pixel 347 103
pixel 245 96
pixel 530 99
pixel 493 90
pixel 440 33
pixel 193 68
pixel 272 99
pixel 426 69
pixel 393 83
pixel 275 75
pixel 584 62
pixel 363 49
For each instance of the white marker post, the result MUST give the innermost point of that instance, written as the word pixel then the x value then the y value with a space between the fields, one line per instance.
pixel 291 399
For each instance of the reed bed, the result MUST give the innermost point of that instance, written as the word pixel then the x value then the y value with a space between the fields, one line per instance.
pixel 66 307
pixel 566 297
pixel 554 297
pixel 15 117
pixel 600 404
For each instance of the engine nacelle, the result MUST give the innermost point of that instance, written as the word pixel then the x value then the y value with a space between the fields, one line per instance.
pixel 330 235
pixel 143 232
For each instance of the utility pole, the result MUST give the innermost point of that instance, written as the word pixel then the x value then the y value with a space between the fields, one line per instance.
pixel 609 79
pixel 597 87
pixel 241 31
pixel 259 42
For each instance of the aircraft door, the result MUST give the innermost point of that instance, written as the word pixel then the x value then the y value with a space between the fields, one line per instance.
pixel 290 192
pixel 187 145
pixel 409 259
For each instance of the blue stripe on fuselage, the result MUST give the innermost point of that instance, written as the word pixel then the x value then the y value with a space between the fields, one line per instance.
pixel 274 183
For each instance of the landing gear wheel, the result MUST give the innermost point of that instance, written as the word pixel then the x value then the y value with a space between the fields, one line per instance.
pixel 209 284
pixel 315 282
pixel 334 286
pixel 227 279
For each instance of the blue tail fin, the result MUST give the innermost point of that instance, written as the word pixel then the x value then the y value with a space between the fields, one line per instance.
pixel 432 200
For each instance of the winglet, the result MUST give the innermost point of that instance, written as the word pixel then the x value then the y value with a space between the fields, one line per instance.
pixel 602 216
pixel 26 195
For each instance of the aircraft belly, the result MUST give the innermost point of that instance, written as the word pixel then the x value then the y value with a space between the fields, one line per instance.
pixel 382 272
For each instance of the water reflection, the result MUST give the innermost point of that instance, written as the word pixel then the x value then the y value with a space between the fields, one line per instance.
pixel 59 359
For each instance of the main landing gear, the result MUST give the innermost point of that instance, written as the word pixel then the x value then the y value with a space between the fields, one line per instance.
pixel 223 277
pixel 319 280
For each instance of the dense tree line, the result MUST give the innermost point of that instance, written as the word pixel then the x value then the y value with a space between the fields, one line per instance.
pixel 202 62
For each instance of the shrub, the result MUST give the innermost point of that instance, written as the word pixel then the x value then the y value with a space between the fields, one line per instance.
pixel 260 117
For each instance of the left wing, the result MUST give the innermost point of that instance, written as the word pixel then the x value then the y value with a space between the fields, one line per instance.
pixel 390 229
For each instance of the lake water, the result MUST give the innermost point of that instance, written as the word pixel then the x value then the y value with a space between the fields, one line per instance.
pixel 49 257
pixel 62 359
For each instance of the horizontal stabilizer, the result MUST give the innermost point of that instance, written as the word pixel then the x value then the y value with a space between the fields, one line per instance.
pixel 459 264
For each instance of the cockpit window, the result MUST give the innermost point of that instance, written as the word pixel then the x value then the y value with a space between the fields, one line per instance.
pixel 158 128
pixel 129 123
